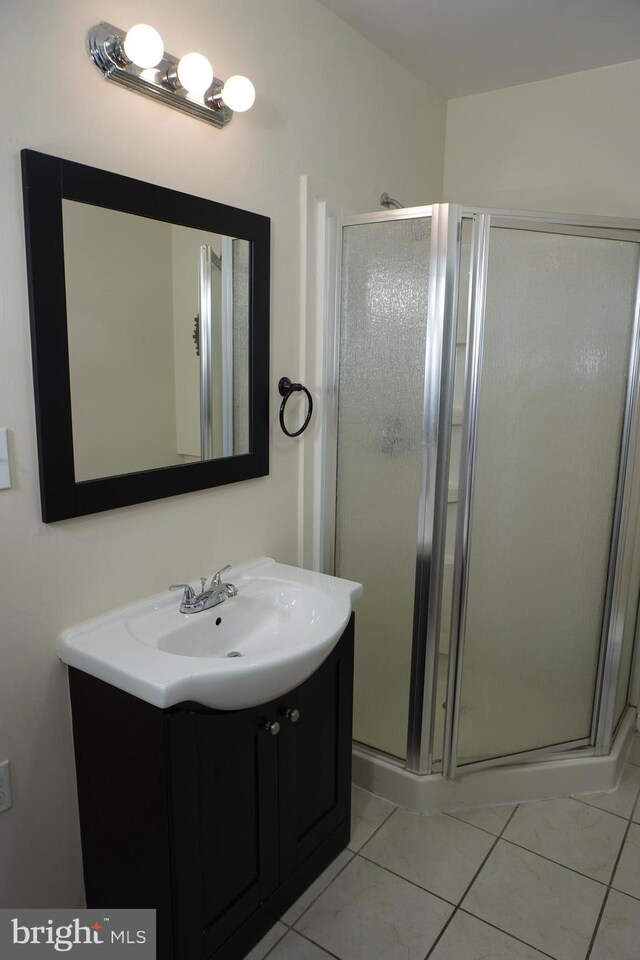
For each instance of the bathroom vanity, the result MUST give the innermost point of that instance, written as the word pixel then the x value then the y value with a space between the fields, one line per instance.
pixel 218 819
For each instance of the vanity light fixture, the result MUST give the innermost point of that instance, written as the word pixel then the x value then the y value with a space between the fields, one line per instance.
pixel 137 60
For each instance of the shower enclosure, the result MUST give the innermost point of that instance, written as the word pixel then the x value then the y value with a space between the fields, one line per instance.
pixel 487 377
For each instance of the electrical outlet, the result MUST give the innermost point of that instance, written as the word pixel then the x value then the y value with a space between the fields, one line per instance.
pixel 5 787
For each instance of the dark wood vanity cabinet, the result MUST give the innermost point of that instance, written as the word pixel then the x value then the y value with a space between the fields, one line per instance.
pixel 213 818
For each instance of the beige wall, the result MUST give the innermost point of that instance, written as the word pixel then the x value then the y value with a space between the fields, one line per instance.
pixel 570 143
pixel 329 105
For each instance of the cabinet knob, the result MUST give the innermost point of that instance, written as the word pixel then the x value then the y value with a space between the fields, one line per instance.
pixel 272 727
pixel 293 714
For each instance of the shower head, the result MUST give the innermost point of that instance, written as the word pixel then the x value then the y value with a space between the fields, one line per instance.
pixel 419 231
pixel 389 202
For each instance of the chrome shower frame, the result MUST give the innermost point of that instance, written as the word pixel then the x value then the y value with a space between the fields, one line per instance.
pixel 444 276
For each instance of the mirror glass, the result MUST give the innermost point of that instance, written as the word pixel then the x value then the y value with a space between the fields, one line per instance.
pixel 158 340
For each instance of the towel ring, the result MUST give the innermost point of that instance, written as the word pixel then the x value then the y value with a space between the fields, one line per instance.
pixel 286 388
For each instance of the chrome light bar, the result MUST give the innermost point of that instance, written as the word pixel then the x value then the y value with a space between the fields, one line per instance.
pixel 105 46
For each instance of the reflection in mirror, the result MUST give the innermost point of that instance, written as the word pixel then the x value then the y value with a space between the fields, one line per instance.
pixel 158 330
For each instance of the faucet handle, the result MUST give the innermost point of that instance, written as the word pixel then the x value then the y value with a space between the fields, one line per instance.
pixel 216 579
pixel 188 596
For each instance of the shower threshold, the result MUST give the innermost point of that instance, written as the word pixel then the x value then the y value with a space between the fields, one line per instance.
pixel 511 783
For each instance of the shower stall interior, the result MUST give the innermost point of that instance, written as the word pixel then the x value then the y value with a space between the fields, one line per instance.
pixel 486 372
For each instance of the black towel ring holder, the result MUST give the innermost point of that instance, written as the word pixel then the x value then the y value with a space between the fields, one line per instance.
pixel 286 388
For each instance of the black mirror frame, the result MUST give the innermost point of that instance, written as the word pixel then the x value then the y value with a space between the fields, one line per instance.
pixel 47 180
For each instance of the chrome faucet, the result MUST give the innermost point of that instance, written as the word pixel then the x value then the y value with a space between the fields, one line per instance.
pixel 216 593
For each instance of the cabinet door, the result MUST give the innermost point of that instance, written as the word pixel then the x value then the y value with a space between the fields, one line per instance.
pixel 315 756
pixel 224 782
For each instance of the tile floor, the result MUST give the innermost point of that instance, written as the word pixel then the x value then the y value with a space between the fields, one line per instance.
pixel 555 878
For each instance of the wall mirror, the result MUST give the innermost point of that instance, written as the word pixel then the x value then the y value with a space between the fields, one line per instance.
pixel 150 338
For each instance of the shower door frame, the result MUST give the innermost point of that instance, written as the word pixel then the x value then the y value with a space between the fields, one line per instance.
pixel 443 312
pixel 627 501
pixel 446 226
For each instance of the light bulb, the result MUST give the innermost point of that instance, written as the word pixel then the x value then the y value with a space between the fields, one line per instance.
pixel 195 73
pixel 238 93
pixel 143 46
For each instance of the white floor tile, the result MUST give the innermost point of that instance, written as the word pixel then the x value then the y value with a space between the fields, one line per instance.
pixel 437 852
pixel 571 833
pixel 491 819
pixel 467 938
pixel 316 888
pixel 542 903
pixel 268 941
pixel 367 813
pixel 627 876
pixel 634 752
pixel 621 800
pixel 295 947
pixel 369 914
pixel 618 936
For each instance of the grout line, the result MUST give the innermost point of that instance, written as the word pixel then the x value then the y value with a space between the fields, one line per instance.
pixel 473 880
pixel 625 894
pixel 318 945
pixel 594 807
pixel 271 949
pixel 598 921
pixel 557 863
pixel 452 815
pixel 632 823
pixel 413 883
pixel 613 873
pixel 482 920
pixel 292 926
pixel 515 810
pixel 377 829
pixel 441 934
pixel 494 845
pixel 354 853
pixel 475 916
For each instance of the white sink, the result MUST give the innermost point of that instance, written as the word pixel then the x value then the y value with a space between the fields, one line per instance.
pixel 248 650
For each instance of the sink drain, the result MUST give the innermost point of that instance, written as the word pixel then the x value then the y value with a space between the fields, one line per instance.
pixel 234 653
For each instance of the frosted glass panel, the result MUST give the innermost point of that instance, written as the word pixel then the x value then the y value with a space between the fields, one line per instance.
pixel 382 352
pixel 556 353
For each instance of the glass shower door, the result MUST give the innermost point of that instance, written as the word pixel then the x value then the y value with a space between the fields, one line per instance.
pixel 545 414
pixel 383 329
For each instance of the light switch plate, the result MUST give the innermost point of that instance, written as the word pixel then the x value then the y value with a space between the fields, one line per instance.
pixel 5 473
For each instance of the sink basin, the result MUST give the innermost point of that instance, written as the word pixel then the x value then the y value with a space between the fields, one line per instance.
pixel 248 650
